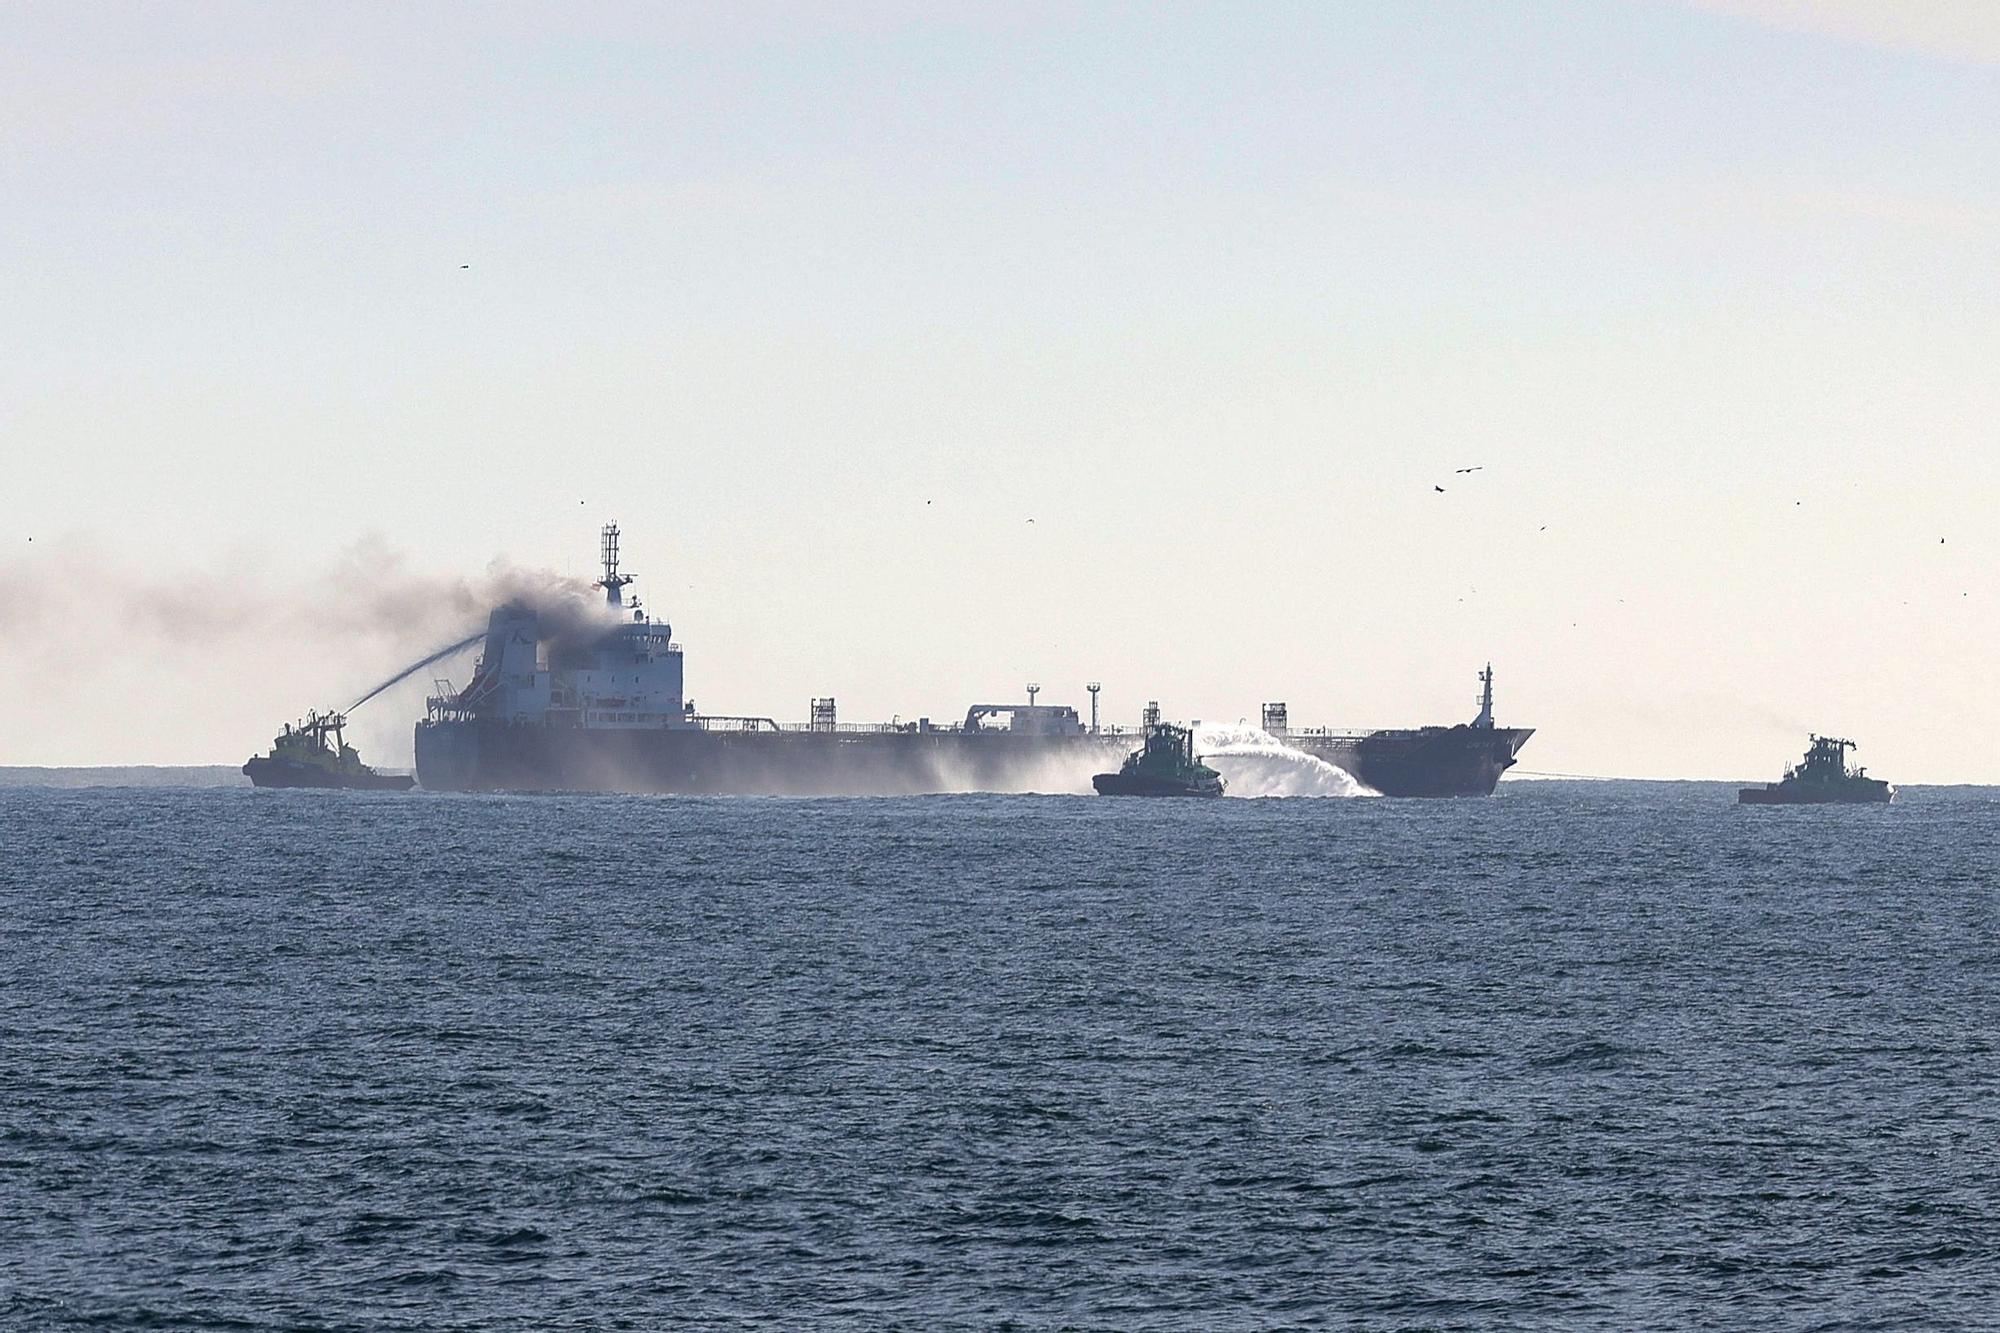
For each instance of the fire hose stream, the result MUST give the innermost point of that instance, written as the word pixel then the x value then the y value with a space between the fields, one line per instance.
pixel 415 667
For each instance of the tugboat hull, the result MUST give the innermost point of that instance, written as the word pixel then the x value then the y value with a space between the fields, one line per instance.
pixel 1128 784
pixel 1875 794
pixel 277 773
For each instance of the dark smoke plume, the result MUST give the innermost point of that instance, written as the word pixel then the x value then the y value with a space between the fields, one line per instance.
pixel 371 612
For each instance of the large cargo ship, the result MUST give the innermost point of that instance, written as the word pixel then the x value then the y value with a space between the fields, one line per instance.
pixel 554 707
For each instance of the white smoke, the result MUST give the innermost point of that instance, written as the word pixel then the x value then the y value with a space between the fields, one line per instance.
pixel 1255 763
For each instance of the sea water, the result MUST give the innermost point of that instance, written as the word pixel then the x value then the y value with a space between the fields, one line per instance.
pixel 1595 1056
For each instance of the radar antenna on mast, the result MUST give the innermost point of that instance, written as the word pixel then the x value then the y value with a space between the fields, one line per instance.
pixel 613 582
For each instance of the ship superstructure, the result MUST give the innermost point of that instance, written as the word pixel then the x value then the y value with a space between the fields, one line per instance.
pixel 599 703
pixel 597 673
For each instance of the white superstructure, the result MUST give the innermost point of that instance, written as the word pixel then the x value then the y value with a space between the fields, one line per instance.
pixel 605 673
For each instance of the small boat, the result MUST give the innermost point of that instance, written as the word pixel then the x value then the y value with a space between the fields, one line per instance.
pixel 315 754
pixel 1822 778
pixel 1165 766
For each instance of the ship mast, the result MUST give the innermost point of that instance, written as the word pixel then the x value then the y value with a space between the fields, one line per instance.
pixel 1485 718
pixel 613 582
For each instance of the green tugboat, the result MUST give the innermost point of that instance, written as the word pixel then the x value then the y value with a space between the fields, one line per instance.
pixel 1822 778
pixel 1167 766
pixel 315 754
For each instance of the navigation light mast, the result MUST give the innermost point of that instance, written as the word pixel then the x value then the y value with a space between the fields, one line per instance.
pixel 613 582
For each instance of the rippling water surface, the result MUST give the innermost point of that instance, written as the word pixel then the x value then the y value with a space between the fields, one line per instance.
pixel 1588 1056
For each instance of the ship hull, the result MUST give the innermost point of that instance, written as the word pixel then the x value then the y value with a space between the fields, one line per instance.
pixel 486 755
pixel 480 755
pixel 1424 761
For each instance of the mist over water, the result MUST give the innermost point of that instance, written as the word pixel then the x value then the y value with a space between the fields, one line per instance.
pixel 1253 762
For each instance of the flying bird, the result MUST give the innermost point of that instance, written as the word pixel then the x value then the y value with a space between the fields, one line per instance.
pixel 1480 468
pixel 1438 489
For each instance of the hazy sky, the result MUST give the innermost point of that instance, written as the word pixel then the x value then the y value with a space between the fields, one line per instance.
pixel 313 309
